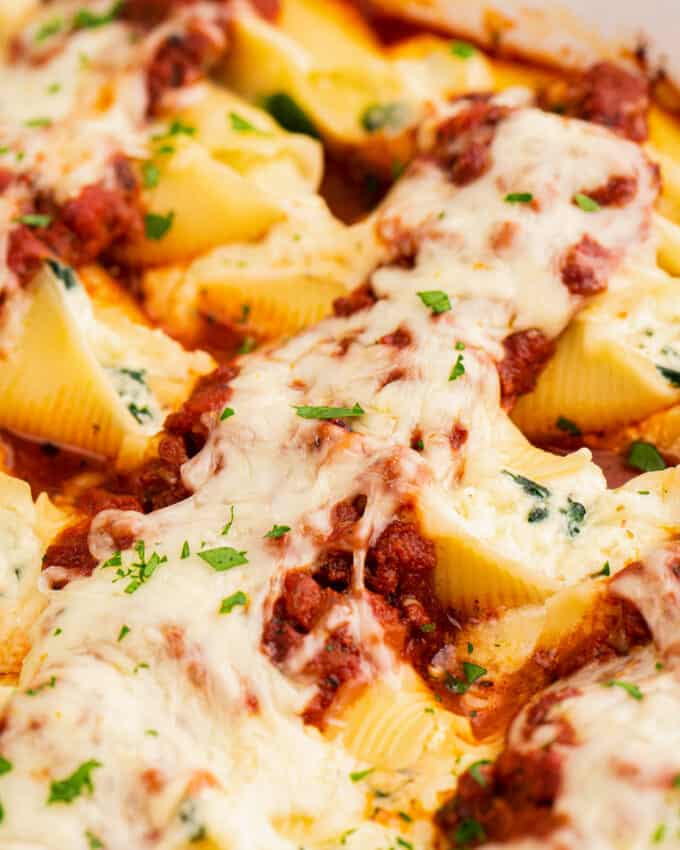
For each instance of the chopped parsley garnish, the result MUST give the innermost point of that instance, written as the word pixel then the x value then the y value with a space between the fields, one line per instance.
pixel 233 601
pixel 5 766
pixel 659 833
pixel 66 790
pixel 474 772
pixel 140 571
pixel 53 88
pixel 575 513
pixel 114 561
pixel 226 413
pixel 289 114
pixel 65 274
pixel 631 689
pixel 605 571
pixel 458 369
pixel 34 220
pixel 531 488
pixel 470 648
pixel 50 683
pixel 397 169
pixel 405 817
pixel 141 666
pixel 38 122
pixel 227 527
pixel 436 300
pixel 538 514
pixel 309 412
pixel 94 842
pixel 187 815
pixel 241 125
pixel 472 673
pixel 402 842
pixel 136 374
pixel 358 775
pixel 467 831
pixel 153 733
pixel 586 203
pixel 645 457
pixel 384 116
pixel 671 375
pixel 57 632
pixel 568 426
pixel 519 198
pixel 277 531
pixel 428 627
pixel 185 550
pixel 462 49
pixel 223 558
pixel 676 781
pixel 249 344
pixel 177 128
pixel 156 226
pixel 150 174
pixel 124 630
pixel 141 413
pixel 85 19
pixel 49 28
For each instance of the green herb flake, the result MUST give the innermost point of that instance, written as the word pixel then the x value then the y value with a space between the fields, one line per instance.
pixel 384 116
pixel 277 531
pixel 473 672
pixel 66 790
pixel 436 300
pixel 5 766
pixel 227 527
pixel 645 457
pixel 531 488
pixel 475 773
pixel 358 775
pixel 185 550
pixel 41 121
pixel 310 412
pixel 470 648
pixel 519 198
pixel 50 683
pixel 458 369
pixel 405 817
pixel 462 49
pixel 233 601
pixel 141 413
pixel 402 842
pixel 628 687
pixel 177 128
pixel 94 842
pixel 150 174
pixel 538 514
pixel 676 781
pixel 226 414
pixel 139 571
pixel 576 514
pixel 54 88
pixel 153 733
pixel 141 666
pixel 568 426
pixel 605 571
pixel 34 220
pixel 241 125
pixel 49 28
pixel 289 114
pixel 124 630
pixel 428 628
pixel 586 203
pixel 658 665
pixel 659 834
pixel 57 632
pixel 469 830
pixel 223 558
pixel 65 274
pixel 85 19
pixel 115 560
pixel 671 375
pixel 345 835
pixel 156 226
pixel 249 344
